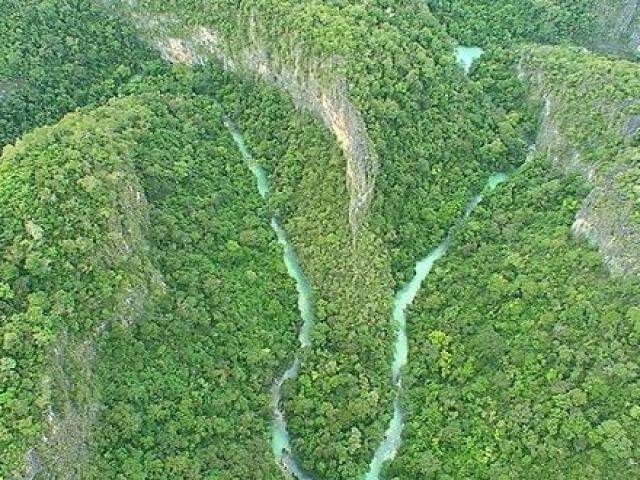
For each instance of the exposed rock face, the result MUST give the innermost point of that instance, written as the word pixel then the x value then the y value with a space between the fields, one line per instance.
pixel 631 126
pixel 5 89
pixel 552 142
pixel 620 25
pixel 33 466
pixel 300 78
pixel 72 414
pixel 64 450
pixel 606 217
pixel 604 220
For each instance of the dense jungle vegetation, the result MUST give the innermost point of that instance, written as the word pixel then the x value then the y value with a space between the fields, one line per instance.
pixel 504 21
pixel 603 25
pixel 524 351
pixel 405 81
pixel 344 374
pixel 401 75
pixel 138 251
pixel 348 283
pixel 145 310
pixel 58 55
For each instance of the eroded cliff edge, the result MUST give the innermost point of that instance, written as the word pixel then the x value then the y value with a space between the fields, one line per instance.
pixel 314 85
pixel 590 125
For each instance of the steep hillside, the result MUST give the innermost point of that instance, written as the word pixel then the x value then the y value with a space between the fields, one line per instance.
pixel 590 124
pixel 383 79
pixel 388 64
pixel 128 234
pixel 525 353
pixel 307 239
pixel 344 373
pixel 484 22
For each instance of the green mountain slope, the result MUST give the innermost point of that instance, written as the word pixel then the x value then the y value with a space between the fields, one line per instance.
pixel 135 249
pixel 590 124
pixel 147 316
pixel 430 136
pixel 505 21
pixel 524 350
pixel 58 55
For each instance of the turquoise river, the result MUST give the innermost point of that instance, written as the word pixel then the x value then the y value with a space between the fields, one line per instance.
pixel 386 450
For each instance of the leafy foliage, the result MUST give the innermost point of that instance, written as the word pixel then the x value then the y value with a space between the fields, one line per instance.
pixel 144 307
pixel 135 229
pixel 58 55
pixel 505 21
pixel 523 351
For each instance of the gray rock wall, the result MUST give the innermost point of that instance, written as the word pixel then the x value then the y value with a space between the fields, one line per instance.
pixel 297 76
pixel 619 25
pixel 606 218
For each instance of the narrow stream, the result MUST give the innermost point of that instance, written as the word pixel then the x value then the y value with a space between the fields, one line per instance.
pixel 280 442
pixel 388 447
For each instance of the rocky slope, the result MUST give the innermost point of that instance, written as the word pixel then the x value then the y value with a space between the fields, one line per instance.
pixel 589 125
pixel 619 25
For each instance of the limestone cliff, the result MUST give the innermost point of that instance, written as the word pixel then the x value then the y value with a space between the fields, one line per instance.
pixel 300 77
pixel 607 157
pixel 619 26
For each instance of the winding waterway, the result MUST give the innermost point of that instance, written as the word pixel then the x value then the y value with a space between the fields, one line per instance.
pixel 387 449
pixel 280 442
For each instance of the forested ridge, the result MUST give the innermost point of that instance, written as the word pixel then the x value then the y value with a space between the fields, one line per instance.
pixel 145 308
pixel 603 25
pixel 525 350
pixel 125 297
pixel 504 21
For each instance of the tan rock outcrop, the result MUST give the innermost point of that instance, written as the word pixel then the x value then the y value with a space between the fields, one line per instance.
pixel 300 78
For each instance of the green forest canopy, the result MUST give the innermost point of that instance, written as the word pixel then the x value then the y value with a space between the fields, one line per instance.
pixel 153 324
